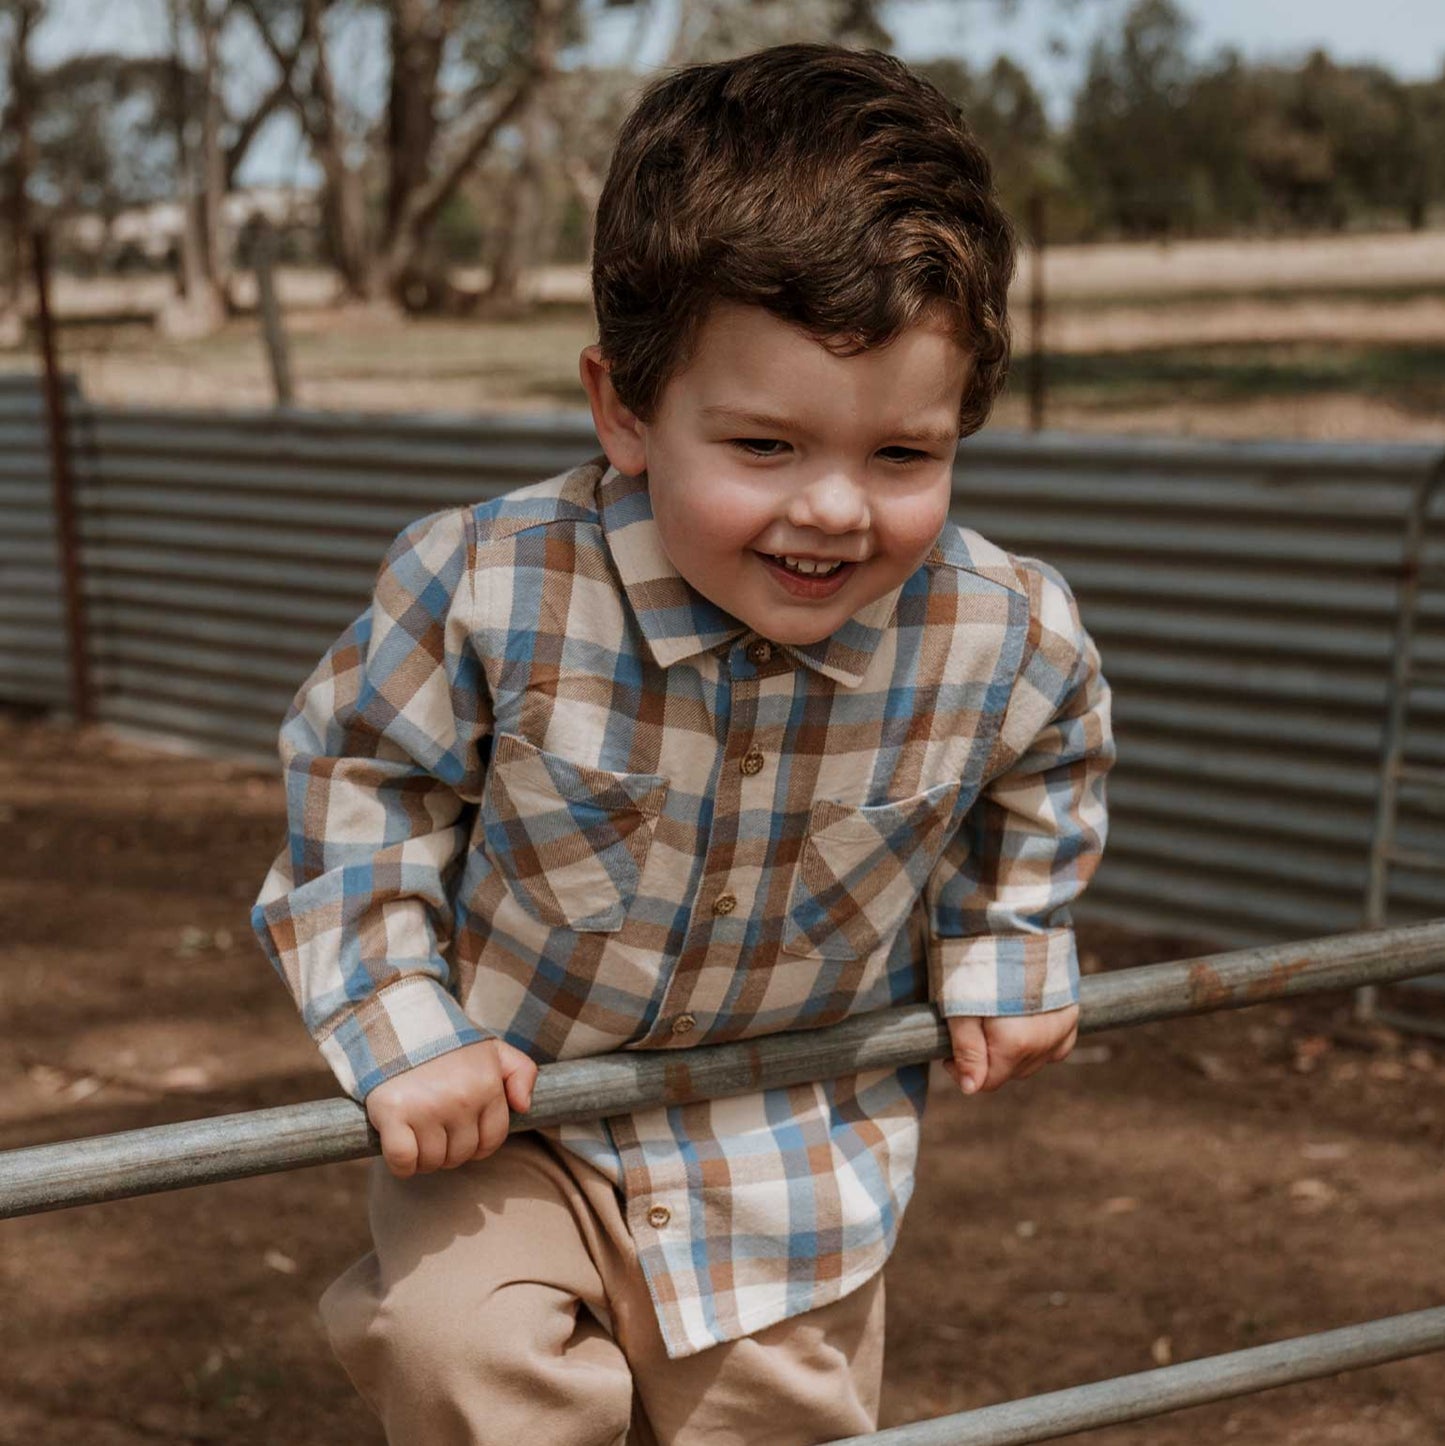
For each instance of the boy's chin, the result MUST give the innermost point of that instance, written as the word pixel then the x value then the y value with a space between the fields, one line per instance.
pixel 798 632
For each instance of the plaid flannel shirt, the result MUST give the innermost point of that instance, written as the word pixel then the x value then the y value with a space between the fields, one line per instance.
pixel 542 790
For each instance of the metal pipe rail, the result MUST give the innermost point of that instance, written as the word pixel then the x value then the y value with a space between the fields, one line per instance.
pixel 231 1147
pixel 1171 1388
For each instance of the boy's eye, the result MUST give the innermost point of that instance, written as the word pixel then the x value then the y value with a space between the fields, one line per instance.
pixel 760 446
pixel 903 454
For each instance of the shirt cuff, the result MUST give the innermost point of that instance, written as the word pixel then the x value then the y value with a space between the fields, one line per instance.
pixel 994 974
pixel 403 1024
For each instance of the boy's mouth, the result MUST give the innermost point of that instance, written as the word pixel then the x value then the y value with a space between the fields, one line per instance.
pixel 807 577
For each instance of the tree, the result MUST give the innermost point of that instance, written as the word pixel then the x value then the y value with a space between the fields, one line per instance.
pixel 1129 148
pixel 20 18
pixel 460 71
pixel 1006 113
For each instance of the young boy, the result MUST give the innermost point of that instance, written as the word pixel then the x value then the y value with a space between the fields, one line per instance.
pixel 726 732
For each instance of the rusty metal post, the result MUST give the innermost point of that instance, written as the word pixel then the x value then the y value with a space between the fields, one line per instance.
pixel 1037 312
pixel 67 533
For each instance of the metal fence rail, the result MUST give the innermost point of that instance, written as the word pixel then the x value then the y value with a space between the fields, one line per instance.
pixel 1172 1388
pixel 168 1157
pixel 1244 597
pixel 230 1147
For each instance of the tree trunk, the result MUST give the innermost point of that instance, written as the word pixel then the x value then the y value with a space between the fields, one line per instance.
pixel 418 38
pixel 524 208
pixel 422 199
pixel 19 120
pixel 344 201
pixel 198 309
pixel 215 259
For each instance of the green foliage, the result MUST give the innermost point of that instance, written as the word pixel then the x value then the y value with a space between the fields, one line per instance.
pixel 1006 113
pixel 1161 145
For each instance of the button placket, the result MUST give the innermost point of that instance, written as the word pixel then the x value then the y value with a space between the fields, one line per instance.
pixel 711 945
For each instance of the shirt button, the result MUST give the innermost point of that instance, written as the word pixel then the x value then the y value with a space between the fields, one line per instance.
pixel 658 1216
pixel 724 903
pixel 752 761
pixel 760 652
pixel 684 1023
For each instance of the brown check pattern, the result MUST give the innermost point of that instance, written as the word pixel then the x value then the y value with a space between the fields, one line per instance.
pixel 542 790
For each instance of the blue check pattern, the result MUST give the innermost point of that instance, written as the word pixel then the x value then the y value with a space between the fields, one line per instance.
pixel 541 790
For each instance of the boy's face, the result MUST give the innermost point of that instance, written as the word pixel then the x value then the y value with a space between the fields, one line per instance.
pixel 767 446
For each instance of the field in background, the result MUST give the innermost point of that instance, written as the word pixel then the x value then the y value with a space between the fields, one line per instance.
pixel 1329 338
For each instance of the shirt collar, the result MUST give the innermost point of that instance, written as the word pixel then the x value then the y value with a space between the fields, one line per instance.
pixel 678 622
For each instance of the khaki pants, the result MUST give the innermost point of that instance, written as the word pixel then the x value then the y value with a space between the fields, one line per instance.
pixel 503 1305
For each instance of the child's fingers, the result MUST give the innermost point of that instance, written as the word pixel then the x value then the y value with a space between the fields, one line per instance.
pixel 399 1149
pixel 970 1053
pixel 431 1147
pixel 462 1138
pixel 518 1083
pixel 1063 1048
pixel 494 1123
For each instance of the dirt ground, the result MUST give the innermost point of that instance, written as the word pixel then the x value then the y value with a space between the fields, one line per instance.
pixel 1174 1191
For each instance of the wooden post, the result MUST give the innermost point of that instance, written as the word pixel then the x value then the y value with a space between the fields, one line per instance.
pixel 271 323
pixel 1037 309
pixel 66 531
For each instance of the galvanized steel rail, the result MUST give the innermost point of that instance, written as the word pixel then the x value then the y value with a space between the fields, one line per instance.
pixel 1171 1388
pixel 230 1147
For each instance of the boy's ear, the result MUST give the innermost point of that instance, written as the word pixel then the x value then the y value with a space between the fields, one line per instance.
pixel 621 432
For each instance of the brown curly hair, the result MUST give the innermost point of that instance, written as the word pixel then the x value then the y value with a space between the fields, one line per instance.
pixel 834 187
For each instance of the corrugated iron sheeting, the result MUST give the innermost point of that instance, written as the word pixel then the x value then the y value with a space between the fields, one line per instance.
pixel 33 666
pixel 1243 596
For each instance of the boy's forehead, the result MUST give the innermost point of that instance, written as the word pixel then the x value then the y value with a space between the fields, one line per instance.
pixel 749 366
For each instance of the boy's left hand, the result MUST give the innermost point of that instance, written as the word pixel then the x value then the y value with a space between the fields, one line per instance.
pixel 988 1052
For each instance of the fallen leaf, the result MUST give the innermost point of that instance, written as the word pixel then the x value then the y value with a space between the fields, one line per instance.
pixel 1090 1054
pixel 1162 1351
pixel 277 1261
pixel 1311 1192
pixel 1120 1205
pixel 1212 1066
pixel 1026 1229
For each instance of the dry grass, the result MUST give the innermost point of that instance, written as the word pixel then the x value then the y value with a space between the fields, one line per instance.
pixel 1327 338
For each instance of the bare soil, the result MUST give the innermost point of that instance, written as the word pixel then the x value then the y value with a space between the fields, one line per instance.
pixel 1174 1191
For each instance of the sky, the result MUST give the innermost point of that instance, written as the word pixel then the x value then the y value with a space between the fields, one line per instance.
pixel 1405 36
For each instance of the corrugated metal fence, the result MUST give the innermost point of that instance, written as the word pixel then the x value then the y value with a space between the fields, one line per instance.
pixel 33 666
pixel 1243 595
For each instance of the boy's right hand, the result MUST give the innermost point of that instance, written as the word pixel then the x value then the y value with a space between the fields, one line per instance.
pixel 452 1109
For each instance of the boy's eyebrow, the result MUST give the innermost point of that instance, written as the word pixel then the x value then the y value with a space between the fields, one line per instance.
pixel 935 436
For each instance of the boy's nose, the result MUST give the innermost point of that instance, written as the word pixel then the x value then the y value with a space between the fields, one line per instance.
pixel 832 502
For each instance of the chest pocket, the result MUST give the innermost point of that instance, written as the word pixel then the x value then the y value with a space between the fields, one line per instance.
pixel 570 840
pixel 861 872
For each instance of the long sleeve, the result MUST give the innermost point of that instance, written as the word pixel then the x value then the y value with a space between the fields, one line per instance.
pixel 381 755
pixel 1000 939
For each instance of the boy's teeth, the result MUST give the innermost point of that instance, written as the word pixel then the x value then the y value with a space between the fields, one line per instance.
pixel 808 566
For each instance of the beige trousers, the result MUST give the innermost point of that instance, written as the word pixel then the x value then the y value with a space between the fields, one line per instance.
pixel 503 1305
